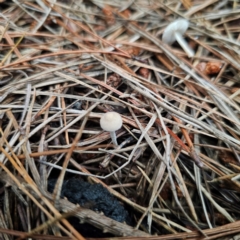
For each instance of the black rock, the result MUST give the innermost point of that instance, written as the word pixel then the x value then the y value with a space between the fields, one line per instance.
pixel 93 196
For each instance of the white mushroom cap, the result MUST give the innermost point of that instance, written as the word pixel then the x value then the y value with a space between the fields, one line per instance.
pixel 180 26
pixel 111 121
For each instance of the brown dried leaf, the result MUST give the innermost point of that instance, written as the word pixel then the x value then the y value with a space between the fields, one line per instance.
pixel 107 11
pixel 187 3
pixel 209 68
pixel 228 157
pixel 144 72
pixel 114 80
pixel 201 66
pixel 213 67
pixel 126 13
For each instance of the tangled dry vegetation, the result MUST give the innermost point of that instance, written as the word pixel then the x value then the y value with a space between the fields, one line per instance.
pixel 176 169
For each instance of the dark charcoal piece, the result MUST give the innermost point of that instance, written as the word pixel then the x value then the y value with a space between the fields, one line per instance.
pixel 95 195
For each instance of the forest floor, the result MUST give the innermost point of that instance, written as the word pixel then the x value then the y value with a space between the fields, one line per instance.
pixel 175 171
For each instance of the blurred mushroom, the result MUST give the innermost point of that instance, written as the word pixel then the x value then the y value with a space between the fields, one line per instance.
pixel 174 32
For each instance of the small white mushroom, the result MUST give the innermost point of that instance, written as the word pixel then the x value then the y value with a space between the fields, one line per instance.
pixel 174 32
pixel 111 122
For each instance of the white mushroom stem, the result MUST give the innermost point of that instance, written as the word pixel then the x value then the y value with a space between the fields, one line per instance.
pixel 114 138
pixel 184 44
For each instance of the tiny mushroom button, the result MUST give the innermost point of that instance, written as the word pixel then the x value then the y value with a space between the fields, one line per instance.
pixel 174 32
pixel 111 122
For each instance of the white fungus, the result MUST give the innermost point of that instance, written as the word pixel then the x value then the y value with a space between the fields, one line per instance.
pixel 174 32
pixel 111 122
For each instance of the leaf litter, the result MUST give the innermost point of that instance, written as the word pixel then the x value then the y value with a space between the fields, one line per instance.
pixel 176 168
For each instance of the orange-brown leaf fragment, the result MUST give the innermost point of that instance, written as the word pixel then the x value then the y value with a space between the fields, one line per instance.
pixel 187 3
pixel 228 157
pixel 134 51
pixel 213 67
pixel 209 68
pixel 201 67
pixel 114 80
pixel 107 11
pixel 126 13
pixel 144 72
